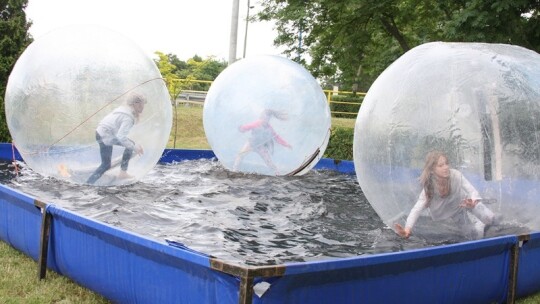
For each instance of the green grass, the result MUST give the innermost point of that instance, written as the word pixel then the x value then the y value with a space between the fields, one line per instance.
pixel 188 128
pixel 19 282
pixel 534 299
pixel 18 273
pixel 343 122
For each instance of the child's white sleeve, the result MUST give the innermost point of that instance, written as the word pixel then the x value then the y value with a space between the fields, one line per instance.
pixel 416 210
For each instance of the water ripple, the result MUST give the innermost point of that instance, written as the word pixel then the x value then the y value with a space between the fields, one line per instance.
pixel 241 218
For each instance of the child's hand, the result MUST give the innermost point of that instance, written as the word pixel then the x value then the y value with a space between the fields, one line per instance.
pixel 403 232
pixel 468 203
pixel 139 149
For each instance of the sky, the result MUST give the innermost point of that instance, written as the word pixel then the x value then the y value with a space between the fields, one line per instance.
pixel 181 27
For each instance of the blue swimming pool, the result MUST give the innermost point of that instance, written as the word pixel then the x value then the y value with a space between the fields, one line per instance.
pixel 129 268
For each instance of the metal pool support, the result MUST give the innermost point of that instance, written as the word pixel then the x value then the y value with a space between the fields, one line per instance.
pixel 247 276
pixel 44 238
pixel 128 268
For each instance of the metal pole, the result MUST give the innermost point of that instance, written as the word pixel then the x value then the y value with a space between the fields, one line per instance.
pixel 44 238
pixel 234 32
pixel 247 23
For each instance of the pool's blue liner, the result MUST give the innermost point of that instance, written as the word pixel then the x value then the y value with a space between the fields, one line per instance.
pixel 127 268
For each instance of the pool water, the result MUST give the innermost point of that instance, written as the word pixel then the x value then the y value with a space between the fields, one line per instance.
pixel 239 218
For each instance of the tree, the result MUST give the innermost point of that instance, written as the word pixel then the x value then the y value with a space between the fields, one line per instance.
pixel 499 21
pixel 14 38
pixel 207 69
pixel 196 68
pixel 350 42
pixel 179 75
pixel 352 39
pixel 178 64
pixel 167 70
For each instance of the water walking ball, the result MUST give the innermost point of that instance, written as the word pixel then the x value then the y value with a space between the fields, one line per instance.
pixel 65 83
pixel 267 115
pixel 479 103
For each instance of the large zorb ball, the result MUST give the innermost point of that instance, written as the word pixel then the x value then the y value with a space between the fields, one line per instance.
pixel 479 103
pixel 267 115
pixel 64 84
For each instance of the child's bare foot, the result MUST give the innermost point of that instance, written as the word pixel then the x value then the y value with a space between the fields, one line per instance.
pixel 63 170
pixel 124 175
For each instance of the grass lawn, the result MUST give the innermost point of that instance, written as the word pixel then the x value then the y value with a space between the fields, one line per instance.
pixel 189 128
pixel 19 282
pixel 343 122
pixel 18 273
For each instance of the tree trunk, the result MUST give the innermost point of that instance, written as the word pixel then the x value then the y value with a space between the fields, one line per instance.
pixel 356 80
pixel 392 29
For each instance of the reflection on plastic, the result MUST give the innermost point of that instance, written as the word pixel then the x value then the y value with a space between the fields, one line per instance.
pixel 479 103
pixel 54 108
pixel 267 115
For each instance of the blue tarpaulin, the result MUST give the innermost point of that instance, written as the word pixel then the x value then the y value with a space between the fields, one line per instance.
pixel 128 268
pixel 447 274
pixel 528 281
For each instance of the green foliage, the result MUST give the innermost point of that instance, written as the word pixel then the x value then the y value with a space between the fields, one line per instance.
pixel 200 69
pixel 340 145
pixel 499 21
pixel 347 104
pixel 18 283
pixel 351 42
pixel 166 68
pixel 194 68
pixel 14 38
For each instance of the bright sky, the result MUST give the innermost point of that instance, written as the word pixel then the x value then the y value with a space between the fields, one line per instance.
pixel 180 27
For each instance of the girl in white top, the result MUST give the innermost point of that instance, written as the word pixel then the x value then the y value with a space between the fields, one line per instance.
pixel 448 195
pixel 113 130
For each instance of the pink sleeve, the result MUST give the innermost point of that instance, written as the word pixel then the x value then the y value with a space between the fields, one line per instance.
pixel 251 125
pixel 279 139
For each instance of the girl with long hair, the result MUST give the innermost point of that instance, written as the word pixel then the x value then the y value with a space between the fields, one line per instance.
pixel 449 196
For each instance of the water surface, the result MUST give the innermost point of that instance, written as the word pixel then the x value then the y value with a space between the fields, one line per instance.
pixel 239 218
